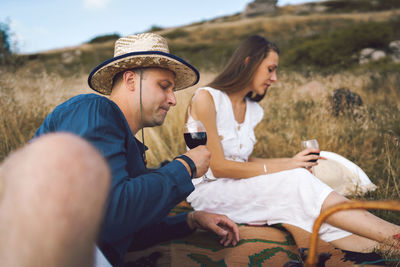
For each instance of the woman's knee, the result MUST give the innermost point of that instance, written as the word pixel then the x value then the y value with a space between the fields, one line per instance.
pixel 333 199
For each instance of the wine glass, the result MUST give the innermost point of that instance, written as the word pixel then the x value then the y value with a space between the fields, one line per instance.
pixel 195 135
pixel 313 143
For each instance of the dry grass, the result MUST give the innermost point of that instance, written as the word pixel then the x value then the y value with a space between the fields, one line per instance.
pixel 296 108
pixel 25 99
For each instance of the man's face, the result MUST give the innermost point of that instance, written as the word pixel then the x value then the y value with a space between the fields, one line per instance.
pixel 157 95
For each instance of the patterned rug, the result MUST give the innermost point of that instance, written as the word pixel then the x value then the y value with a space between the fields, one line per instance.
pixel 279 245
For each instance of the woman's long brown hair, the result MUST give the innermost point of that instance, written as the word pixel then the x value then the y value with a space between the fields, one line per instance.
pixel 239 72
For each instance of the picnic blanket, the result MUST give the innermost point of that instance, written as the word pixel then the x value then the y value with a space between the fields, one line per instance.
pixel 258 246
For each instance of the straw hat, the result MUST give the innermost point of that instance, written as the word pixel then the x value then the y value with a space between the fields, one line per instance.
pixel 141 51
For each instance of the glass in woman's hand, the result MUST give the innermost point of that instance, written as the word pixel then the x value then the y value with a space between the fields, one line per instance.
pixel 313 143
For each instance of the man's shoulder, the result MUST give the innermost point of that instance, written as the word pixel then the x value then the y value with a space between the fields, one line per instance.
pixel 84 109
pixel 86 102
pixel 85 99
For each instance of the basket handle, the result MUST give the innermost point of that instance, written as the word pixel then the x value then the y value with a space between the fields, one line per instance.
pixel 378 205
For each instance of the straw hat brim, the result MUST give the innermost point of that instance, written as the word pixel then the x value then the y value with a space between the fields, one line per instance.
pixel 101 77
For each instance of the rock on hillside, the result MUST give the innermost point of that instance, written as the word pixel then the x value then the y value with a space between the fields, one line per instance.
pixel 258 7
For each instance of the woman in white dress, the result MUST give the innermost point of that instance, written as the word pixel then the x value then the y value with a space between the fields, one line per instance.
pixel 267 191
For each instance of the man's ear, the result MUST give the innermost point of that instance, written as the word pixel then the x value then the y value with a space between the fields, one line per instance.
pixel 129 79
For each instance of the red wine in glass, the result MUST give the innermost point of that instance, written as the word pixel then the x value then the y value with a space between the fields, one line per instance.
pixel 195 139
pixel 313 160
pixel 195 135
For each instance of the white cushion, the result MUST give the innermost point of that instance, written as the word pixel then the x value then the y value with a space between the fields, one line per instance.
pixel 344 176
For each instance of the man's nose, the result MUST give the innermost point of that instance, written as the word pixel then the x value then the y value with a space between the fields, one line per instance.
pixel 171 98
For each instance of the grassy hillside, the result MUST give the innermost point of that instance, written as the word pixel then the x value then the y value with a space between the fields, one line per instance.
pixel 320 44
pixel 326 35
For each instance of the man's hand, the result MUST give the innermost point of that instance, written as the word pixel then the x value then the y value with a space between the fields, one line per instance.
pixel 219 224
pixel 201 158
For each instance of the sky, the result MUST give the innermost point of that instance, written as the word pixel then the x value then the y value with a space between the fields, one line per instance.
pixel 42 25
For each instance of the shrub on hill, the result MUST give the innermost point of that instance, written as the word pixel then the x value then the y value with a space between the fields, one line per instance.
pixel 336 6
pixel 340 48
pixel 8 57
pixel 104 38
pixel 155 28
pixel 5 49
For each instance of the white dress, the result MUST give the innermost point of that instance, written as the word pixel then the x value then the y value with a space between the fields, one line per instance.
pixel 293 196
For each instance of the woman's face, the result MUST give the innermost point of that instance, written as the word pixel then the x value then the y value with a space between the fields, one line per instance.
pixel 265 74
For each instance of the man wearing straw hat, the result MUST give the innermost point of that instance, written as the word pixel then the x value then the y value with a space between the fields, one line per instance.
pixel 140 80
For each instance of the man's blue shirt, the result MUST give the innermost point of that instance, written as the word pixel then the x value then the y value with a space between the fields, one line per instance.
pixel 138 200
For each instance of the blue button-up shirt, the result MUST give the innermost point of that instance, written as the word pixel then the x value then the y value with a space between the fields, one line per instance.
pixel 138 199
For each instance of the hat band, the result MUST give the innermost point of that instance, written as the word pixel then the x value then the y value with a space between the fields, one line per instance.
pixel 139 54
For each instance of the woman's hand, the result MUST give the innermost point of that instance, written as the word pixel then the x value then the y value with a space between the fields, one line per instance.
pixel 303 158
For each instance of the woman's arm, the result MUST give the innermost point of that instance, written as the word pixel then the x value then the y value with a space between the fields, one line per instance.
pixel 300 160
pixel 203 109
